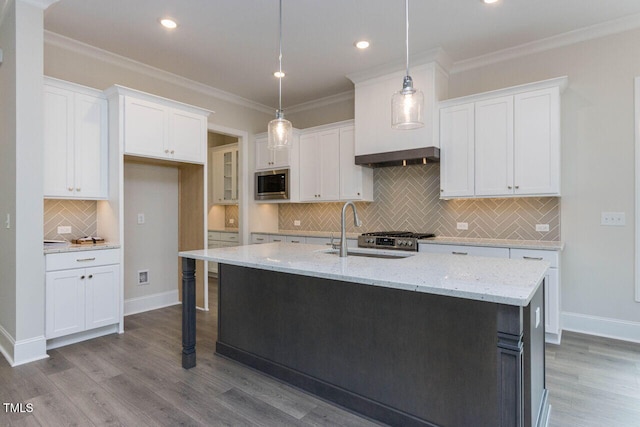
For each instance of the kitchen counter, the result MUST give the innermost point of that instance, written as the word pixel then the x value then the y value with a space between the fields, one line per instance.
pixel 497 243
pixel 422 340
pixel 326 234
pixel 504 281
pixel 72 247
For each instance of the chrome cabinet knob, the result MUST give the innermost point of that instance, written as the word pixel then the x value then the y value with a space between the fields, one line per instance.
pixel 166 151
pixel 78 189
pixel 70 188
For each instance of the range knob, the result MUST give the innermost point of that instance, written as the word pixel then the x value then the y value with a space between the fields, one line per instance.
pixel 401 242
pixel 409 243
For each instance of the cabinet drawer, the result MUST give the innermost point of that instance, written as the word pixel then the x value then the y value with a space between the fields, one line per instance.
pixel 296 239
pixel 81 259
pixel 229 237
pixel 259 238
pixel 228 244
pixel 532 254
pixel 465 250
pixel 321 241
pixel 214 235
pixel 277 238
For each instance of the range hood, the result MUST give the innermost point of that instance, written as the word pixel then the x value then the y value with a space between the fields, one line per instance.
pixel 376 143
pixel 416 156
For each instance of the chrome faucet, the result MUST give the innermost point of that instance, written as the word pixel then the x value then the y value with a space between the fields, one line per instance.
pixel 343 228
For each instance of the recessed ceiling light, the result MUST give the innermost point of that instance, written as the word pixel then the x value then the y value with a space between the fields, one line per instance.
pixel 361 44
pixel 168 23
pixel 490 1
pixel 279 74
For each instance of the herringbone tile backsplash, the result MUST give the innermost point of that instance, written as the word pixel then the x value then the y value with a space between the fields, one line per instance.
pixel 81 215
pixel 407 198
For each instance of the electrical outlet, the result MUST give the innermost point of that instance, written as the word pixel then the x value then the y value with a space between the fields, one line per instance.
pixel 462 226
pixel 296 222
pixel 616 219
pixel 143 277
pixel 232 221
pixel 542 227
pixel 64 229
pixel 140 218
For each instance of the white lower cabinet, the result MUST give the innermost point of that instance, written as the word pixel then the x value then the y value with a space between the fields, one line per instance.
pixel 552 304
pixel 465 250
pixel 553 328
pixel 80 299
pixel 221 239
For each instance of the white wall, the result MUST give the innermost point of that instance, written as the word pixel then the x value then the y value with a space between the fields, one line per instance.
pixel 153 191
pixel 22 264
pixel 597 172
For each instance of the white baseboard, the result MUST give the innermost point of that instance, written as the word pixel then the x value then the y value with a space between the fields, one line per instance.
pixel 150 302
pixel 601 326
pixel 22 351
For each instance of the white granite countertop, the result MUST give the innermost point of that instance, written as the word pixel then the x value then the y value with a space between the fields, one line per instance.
pixel 505 281
pixel 547 245
pixel 327 234
pixel 71 247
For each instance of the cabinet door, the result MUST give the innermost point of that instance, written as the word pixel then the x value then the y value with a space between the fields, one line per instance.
pixel 58 142
pixel 217 181
pixel 310 167
pixel 457 151
pixel 271 159
pixel 187 136
pixel 146 128
pixel 352 177
pixel 329 177
pixel 463 250
pixel 552 303
pixel 65 302
pixel 537 142
pixel 230 176
pixel 90 146
pixel 494 147
pixel 102 296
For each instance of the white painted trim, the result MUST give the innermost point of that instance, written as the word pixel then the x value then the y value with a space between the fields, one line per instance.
pixel 57 40
pixel 322 102
pixel 29 350
pixel 150 302
pixel 637 193
pixel 7 344
pixel 601 326
pixel 571 37
pixel 82 336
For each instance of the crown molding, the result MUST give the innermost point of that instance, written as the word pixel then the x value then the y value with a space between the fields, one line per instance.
pixel 42 4
pixel 571 37
pixel 321 102
pixel 57 40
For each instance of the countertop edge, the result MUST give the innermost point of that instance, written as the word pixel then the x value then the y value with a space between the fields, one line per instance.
pixel 79 248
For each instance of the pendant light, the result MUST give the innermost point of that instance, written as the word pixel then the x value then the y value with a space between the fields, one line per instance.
pixel 280 132
pixel 407 104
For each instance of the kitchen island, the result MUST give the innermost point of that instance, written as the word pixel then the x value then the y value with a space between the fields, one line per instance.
pixel 407 339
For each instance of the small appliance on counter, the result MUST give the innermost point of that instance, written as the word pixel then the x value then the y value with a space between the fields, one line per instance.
pixel 87 240
pixel 402 240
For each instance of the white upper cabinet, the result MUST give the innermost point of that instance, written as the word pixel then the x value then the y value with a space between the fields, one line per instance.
pixel 537 142
pixel 159 128
pixel 494 147
pixel 356 182
pixel 373 92
pixel 223 170
pixel 457 151
pixel 75 141
pixel 320 166
pixel 512 140
pixel 271 159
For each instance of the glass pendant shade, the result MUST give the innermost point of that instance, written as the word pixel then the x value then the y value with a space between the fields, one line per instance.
pixel 280 133
pixel 406 107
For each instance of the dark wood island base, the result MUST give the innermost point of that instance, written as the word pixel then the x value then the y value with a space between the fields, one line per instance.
pixel 404 358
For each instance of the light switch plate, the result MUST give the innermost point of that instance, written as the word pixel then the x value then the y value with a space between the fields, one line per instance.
pixel 542 227
pixel 296 222
pixel 140 218
pixel 616 219
pixel 64 229
pixel 462 226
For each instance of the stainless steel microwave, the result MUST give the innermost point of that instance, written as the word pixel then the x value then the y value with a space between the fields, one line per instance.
pixel 272 185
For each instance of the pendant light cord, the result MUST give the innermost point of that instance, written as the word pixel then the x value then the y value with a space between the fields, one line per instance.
pixel 280 63
pixel 406 13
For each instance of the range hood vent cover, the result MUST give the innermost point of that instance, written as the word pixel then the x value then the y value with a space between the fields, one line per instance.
pixel 417 156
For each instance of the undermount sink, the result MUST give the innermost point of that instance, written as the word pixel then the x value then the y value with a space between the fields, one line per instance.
pixel 359 253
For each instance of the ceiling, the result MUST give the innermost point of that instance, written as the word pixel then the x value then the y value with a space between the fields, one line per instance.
pixel 232 44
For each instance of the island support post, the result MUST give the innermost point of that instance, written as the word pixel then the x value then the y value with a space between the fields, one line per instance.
pixel 188 313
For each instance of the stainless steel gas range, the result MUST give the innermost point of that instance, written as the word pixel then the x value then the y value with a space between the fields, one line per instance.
pixel 403 240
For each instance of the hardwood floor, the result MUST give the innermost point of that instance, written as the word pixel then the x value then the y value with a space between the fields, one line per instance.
pixel 135 379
